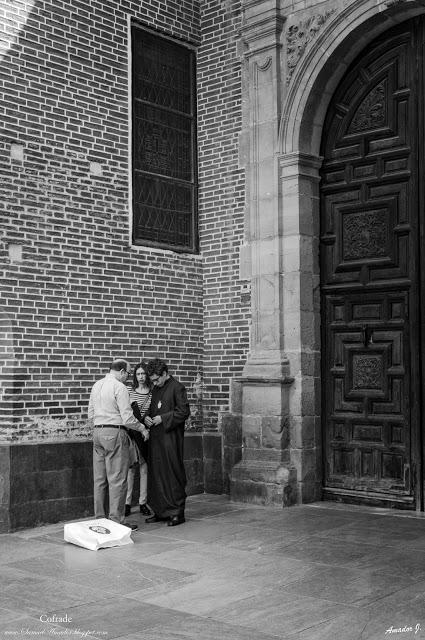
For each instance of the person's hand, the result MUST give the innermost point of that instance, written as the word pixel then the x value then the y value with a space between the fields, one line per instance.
pixel 156 420
pixel 148 421
pixel 145 434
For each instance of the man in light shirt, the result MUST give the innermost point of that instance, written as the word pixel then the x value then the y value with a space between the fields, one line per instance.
pixel 110 414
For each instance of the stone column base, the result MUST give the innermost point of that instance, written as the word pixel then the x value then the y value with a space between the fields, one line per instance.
pixel 264 482
pixel 265 474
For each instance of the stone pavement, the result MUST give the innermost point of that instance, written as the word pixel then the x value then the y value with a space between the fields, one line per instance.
pixel 232 572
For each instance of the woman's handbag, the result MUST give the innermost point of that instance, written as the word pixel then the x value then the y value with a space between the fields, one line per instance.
pixel 139 413
pixel 133 452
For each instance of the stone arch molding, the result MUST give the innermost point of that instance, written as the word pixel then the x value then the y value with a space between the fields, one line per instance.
pixel 339 37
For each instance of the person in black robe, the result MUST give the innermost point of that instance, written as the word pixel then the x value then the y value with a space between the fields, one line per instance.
pixel 166 417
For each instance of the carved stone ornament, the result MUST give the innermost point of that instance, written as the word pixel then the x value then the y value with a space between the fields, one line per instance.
pixel 299 36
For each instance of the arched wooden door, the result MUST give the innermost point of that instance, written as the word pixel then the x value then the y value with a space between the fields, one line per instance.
pixel 371 199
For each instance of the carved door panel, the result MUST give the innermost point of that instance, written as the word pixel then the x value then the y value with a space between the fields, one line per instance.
pixel 369 264
pixel 368 419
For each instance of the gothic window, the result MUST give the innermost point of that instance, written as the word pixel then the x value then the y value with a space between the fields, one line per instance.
pixel 164 142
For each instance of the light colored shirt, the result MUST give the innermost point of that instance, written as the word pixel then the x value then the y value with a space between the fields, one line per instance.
pixel 110 404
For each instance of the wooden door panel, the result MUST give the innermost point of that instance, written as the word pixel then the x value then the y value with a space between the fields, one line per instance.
pixel 369 114
pixel 368 407
pixel 369 221
pixel 367 236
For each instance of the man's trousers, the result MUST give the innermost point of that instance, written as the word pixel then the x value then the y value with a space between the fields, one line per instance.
pixel 110 468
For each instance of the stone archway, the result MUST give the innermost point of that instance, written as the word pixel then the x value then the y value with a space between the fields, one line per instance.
pixel 342 38
pixel 281 456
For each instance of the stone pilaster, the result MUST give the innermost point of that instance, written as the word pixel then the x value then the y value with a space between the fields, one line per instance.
pixel 299 182
pixel 261 36
pixel 265 474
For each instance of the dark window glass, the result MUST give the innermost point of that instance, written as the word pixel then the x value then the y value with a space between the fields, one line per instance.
pixel 164 143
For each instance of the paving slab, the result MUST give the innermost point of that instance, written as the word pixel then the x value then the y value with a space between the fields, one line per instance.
pixel 197 628
pixel 231 572
pixel 278 613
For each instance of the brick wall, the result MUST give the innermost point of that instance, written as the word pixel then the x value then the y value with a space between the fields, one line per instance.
pixel 73 292
pixel 221 202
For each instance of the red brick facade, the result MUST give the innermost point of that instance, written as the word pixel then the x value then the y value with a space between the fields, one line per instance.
pixel 221 202
pixel 74 293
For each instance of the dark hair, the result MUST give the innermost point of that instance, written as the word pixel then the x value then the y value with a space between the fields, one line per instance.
pixel 141 365
pixel 156 367
pixel 119 364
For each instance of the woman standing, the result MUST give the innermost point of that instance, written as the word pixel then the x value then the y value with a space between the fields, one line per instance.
pixel 140 399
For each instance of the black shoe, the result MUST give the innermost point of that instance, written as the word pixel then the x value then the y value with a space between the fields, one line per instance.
pixel 153 518
pixel 144 509
pixel 127 510
pixel 133 527
pixel 175 520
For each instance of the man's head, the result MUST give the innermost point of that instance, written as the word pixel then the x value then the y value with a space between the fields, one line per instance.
pixel 120 369
pixel 157 371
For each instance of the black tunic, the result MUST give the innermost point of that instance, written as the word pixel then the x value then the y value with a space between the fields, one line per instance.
pixel 167 476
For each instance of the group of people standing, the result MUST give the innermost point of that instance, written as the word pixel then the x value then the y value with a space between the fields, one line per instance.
pixel 152 414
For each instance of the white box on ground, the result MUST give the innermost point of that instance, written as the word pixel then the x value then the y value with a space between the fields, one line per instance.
pixel 100 533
